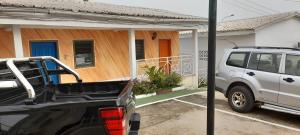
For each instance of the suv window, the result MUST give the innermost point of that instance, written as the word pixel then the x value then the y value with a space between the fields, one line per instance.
pixel 238 59
pixel 265 62
pixel 292 65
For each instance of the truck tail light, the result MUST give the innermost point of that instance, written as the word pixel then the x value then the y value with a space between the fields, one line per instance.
pixel 114 120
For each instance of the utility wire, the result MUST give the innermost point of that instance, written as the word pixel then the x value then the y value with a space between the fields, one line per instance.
pixel 247 5
pixel 262 6
pixel 243 7
pixel 295 1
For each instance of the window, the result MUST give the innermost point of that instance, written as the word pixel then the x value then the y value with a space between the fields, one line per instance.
pixel 139 49
pixel 265 62
pixel 84 53
pixel 238 59
pixel 253 62
pixel 292 65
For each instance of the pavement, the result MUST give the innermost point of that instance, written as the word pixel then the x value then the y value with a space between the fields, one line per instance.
pixel 186 115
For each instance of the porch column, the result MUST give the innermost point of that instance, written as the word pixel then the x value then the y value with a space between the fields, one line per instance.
pixel 132 54
pixel 195 39
pixel 17 41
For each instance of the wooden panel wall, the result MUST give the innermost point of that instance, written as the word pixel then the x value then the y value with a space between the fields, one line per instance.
pixel 111 49
pixel 6 44
pixel 152 46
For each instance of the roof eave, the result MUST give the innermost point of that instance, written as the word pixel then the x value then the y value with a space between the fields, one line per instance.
pixel 222 33
pixel 50 13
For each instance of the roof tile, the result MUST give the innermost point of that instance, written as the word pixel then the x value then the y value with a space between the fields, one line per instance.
pixel 96 7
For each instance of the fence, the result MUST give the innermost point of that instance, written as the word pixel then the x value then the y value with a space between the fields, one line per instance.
pixel 203 57
pixel 183 65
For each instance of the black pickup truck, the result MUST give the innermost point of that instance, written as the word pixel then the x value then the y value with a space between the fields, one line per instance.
pixel 31 104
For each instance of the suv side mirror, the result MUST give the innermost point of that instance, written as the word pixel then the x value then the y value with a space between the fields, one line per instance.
pixel 8 84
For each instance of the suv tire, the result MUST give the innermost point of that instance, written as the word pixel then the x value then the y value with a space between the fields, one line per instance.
pixel 240 99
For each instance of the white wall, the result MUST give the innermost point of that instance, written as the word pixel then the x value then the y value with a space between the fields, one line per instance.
pixel 282 34
pixel 223 42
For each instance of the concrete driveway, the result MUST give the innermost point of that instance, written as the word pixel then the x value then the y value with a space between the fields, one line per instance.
pixel 187 116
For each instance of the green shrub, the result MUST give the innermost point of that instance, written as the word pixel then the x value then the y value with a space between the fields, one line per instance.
pixel 161 79
pixel 173 80
pixel 143 87
pixel 156 76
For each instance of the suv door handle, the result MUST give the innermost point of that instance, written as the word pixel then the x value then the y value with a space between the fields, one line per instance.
pixel 288 80
pixel 251 73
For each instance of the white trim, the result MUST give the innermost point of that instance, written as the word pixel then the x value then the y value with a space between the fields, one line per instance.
pixel 195 39
pixel 145 95
pixel 179 88
pixel 17 41
pixel 132 54
pixel 8 84
pixel 88 24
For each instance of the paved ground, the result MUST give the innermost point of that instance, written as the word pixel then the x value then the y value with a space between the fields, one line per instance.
pixel 187 116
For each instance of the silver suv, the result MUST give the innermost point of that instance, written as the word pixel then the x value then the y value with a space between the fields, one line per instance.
pixel 267 77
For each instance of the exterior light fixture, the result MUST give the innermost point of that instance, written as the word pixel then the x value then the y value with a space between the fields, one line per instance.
pixel 154 35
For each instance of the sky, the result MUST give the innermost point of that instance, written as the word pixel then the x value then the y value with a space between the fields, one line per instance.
pixel 227 9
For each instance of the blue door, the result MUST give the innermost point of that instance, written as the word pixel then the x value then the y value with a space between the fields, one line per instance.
pixel 46 49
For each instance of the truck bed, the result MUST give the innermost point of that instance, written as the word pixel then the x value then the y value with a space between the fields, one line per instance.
pixel 66 92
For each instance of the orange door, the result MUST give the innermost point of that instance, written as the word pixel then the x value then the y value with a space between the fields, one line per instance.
pixel 165 51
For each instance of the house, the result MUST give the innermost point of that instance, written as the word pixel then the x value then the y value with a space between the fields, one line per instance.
pixel 279 30
pixel 100 41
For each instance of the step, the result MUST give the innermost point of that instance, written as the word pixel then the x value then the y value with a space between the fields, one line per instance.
pixel 280 109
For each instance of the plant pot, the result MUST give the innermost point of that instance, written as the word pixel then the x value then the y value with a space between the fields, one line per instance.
pixel 164 91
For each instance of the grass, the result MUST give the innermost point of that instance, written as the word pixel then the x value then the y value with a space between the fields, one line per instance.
pixel 167 96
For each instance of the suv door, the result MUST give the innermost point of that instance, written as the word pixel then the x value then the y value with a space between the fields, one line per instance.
pixel 262 73
pixel 290 82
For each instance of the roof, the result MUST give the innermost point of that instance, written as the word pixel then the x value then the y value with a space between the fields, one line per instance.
pixel 254 23
pixel 251 23
pixel 95 8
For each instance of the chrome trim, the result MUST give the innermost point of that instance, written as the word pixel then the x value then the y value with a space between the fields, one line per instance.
pixel 77 76
pixel 30 90
pixel 280 109
pixel 8 84
pixel 28 87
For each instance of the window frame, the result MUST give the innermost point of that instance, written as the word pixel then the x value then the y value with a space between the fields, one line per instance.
pixel 93 54
pixel 277 53
pixel 246 59
pixel 143 48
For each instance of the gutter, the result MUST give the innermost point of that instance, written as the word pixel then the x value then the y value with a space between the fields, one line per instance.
pixel 92 16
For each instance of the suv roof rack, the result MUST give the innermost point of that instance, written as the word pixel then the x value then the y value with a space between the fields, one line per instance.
pixel 266 47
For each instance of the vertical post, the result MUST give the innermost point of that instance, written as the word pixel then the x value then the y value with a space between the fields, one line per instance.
pixel 132 54
pixel 195 39
pixel 212 22
pixel 181 67
pixel 17 41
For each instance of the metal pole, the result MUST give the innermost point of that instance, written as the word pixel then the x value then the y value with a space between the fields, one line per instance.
pixel 211 66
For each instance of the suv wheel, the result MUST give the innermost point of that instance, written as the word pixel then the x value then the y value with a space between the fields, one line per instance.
pixel 240 99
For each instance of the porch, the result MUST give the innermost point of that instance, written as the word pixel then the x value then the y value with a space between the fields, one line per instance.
pixel 184 65
pixel 107 41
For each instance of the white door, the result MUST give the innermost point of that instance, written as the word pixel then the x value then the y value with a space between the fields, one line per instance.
pixel 263 73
